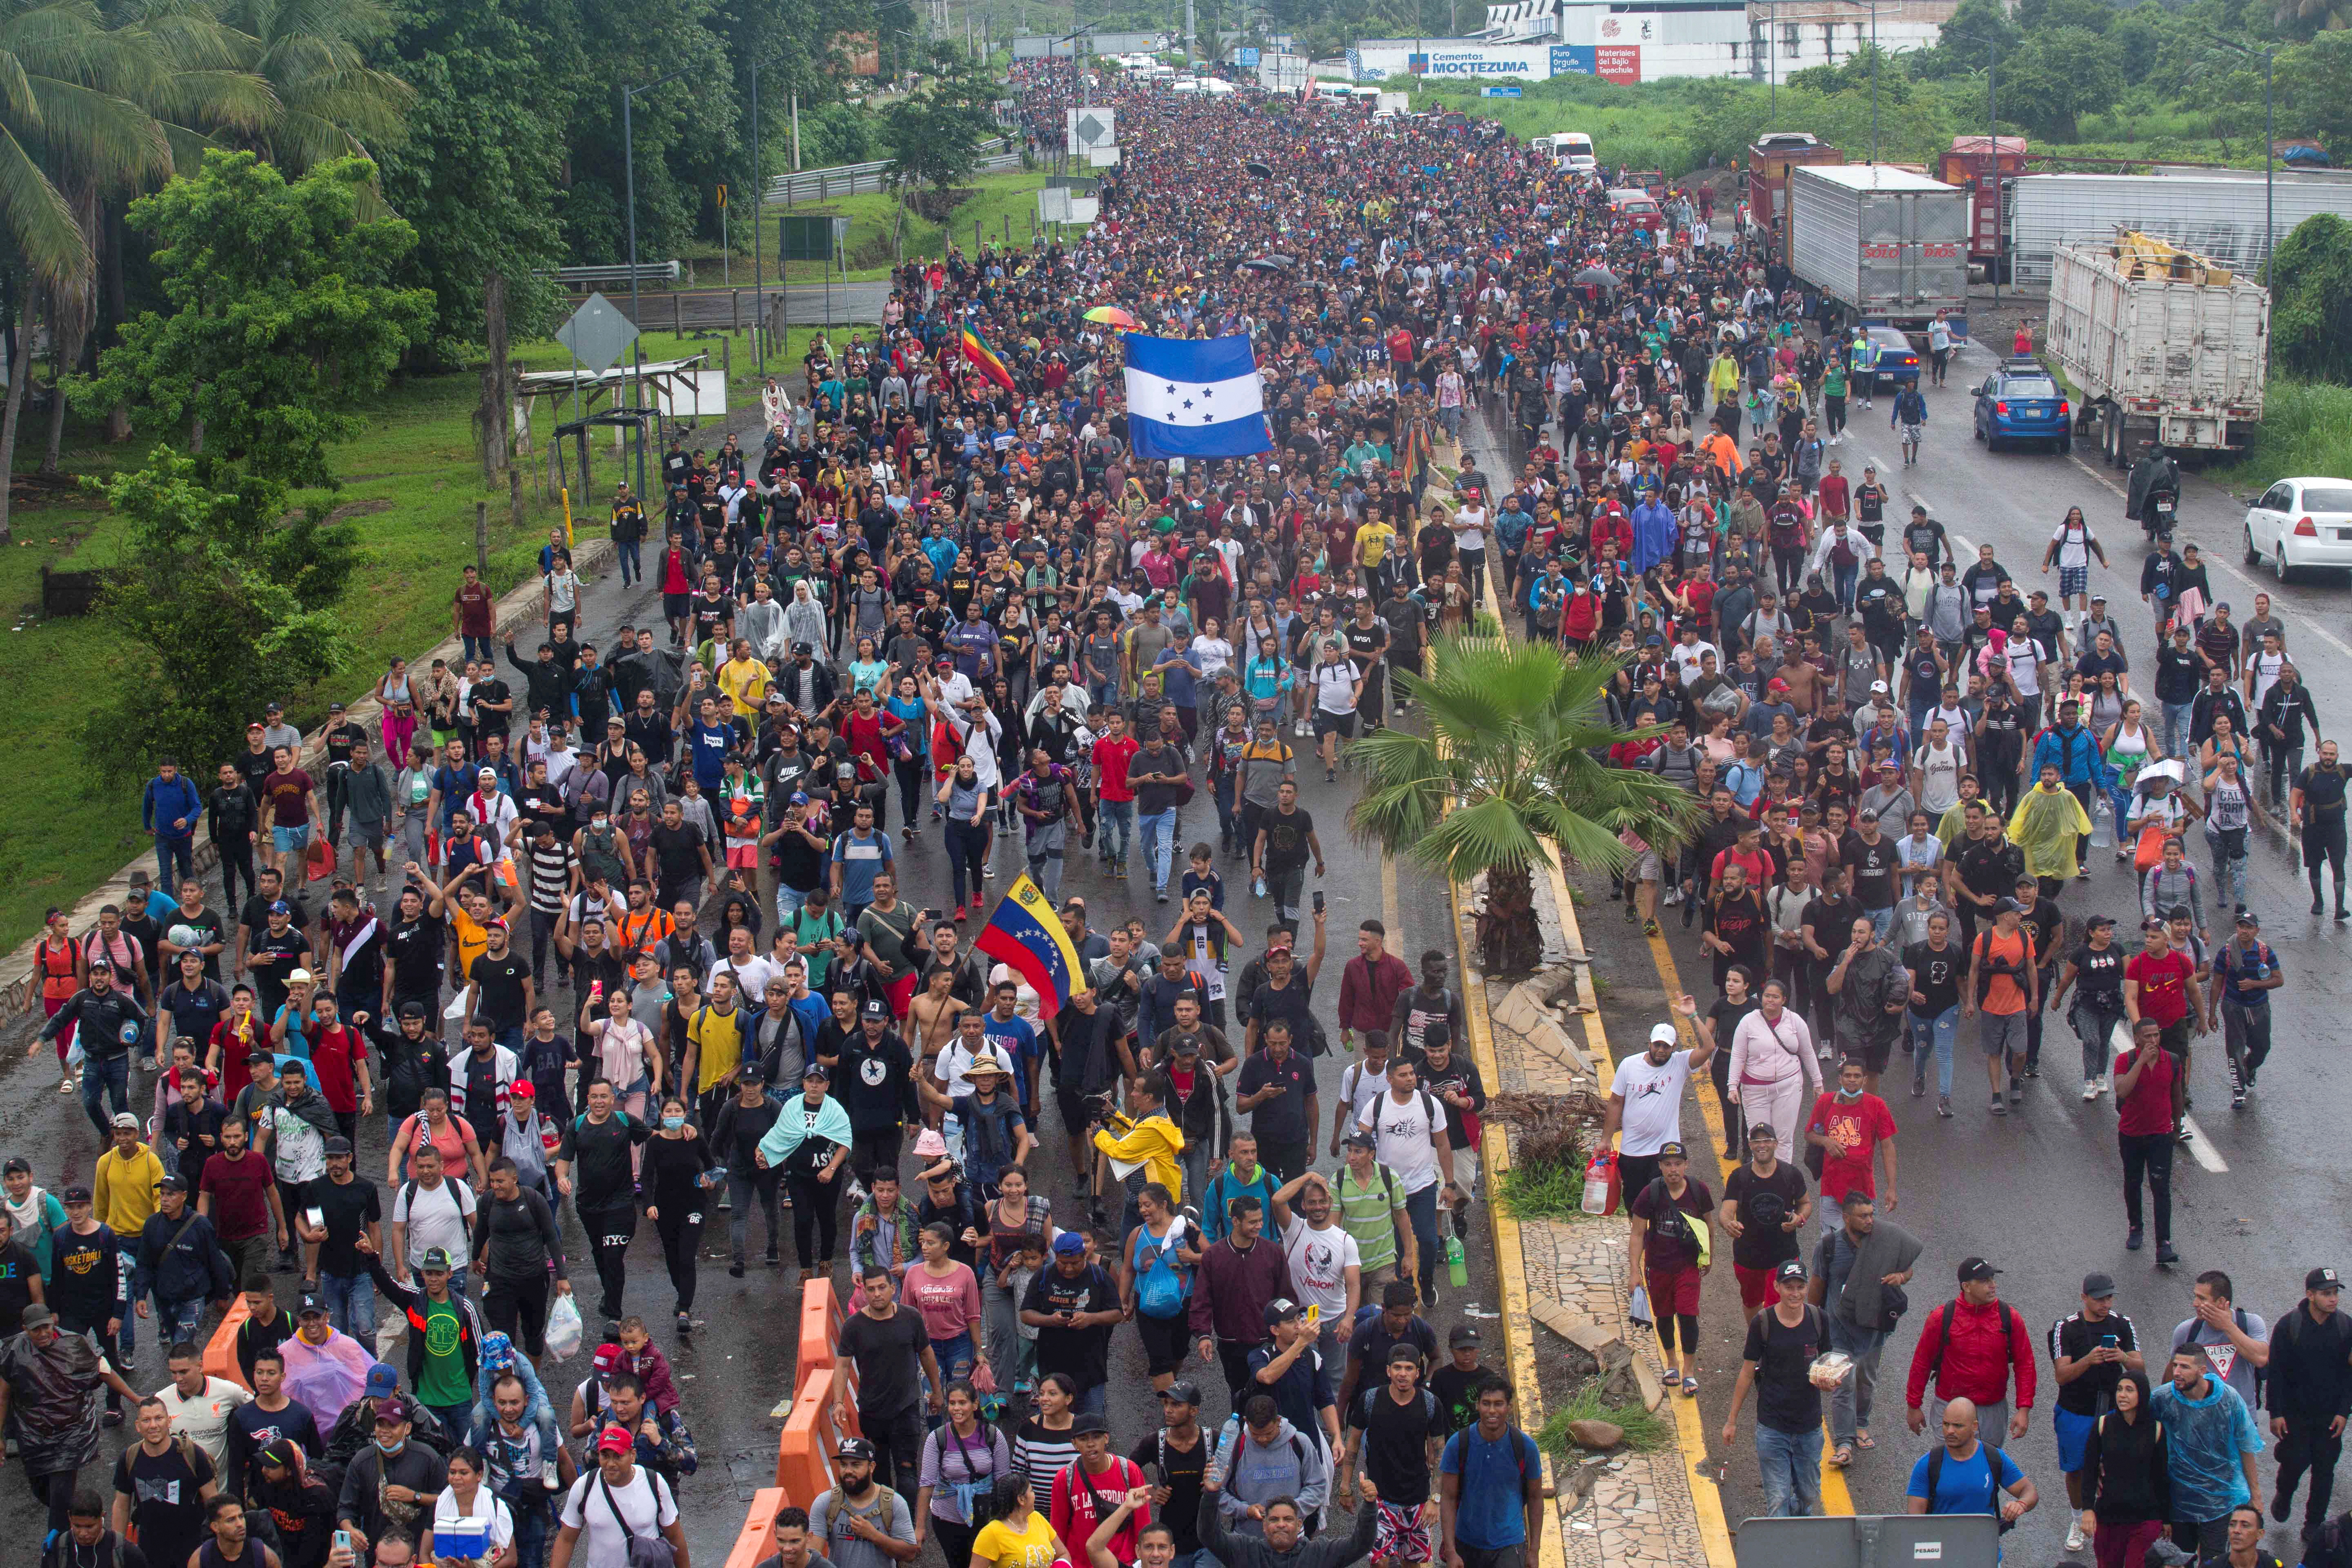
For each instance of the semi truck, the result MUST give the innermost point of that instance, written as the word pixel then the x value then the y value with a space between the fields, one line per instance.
pixel 2162 344
pixel 1888 244
pixel 1981 164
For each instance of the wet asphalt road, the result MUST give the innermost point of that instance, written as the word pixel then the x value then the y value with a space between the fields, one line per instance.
pixel 740 1362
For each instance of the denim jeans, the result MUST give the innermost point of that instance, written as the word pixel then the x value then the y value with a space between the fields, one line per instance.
pixel 351 1304
pixel 127 1254
pixel 633 566
pixel 480 648
pixel 1850 1401
pixel 533 1526
pixel 1160 845
pixel 1882 921
pixel 174 852
pixel 789 901
pixel 2097 1030
pixel 175 1322
pixel 1791 1465
pixel 1117 828
pixel 108 1077
pixel 1933 1034
pixel 1421 1208
pixel 2229 872
pixel 2176 726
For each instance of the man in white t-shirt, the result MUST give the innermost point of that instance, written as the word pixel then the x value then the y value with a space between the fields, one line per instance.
pixel 1410 1126
pixel 590 1535
pixel 433 1210
pixel 1326 1267
pixel 1936 768
pixel 1645 1101
pixel 200 1407
pixel 1361 1082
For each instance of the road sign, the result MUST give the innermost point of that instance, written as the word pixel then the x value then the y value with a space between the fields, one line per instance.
pixel 1500 92
pixel 809 238
pixel 1249 60
pixel 1089 128
pixel 597 335
pixel 722 197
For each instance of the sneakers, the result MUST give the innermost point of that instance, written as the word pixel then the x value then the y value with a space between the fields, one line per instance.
pixel 2016 1095
pixel 1919 1089
pixel 2281 1505
pixel 2165 1253
pixel 2090 1088
pixel 2000 1106
pixel 2237 1100
pixel 2075 1535
pixel 2132 1241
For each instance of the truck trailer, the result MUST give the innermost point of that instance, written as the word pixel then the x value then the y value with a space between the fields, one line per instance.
pixel 1888 243
pixel 2163 345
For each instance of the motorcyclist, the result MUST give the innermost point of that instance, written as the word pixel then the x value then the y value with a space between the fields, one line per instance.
pixel 2155 474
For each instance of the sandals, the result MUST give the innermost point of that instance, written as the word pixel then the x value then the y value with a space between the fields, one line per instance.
pixel 1690 1385
pixel 1864 1440
pixel 1841 1457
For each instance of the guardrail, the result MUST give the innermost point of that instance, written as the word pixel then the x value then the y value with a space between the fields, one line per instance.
pixel 865 179
pixel 646 272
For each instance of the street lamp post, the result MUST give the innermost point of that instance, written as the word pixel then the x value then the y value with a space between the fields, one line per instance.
pixel 629 177
pixel 1992 144
pixel 759 217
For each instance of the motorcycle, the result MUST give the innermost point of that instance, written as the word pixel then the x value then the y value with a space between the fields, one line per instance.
pixel 2158 514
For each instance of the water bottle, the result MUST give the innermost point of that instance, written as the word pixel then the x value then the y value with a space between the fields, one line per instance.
pixel 1457 1263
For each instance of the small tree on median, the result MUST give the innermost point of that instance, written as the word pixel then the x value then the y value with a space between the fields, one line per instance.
pixel 224 603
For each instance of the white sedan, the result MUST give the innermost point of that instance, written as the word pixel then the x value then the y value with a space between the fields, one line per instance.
pixel 2301 522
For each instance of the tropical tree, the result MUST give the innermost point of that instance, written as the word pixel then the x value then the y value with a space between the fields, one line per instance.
pixel 73 124
pixel 1513 753
pixel 312 54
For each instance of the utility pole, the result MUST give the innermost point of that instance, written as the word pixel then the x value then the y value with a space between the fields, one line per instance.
pixel 759 220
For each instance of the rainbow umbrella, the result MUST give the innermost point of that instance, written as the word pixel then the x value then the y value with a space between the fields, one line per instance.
pixel 1112 316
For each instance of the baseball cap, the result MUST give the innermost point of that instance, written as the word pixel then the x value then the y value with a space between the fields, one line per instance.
pixel 1664 1033
pixel 77 1194
pixel 171 1185
pixel 1090 1427
pixel 815 1072
pixel 2098 1287
pixel 337 1145
pixel 854 1448
pixel 435 1258
pixel 37 1317
pixel 125 1119
pixel 411 1009
pixel 1762 1130
pixel 1878 686
pixel 1776 684
pixel 382 1380
pixel 617 1440
pixel 1360 1140
pixel 2322 1280
pixel 281 908
pixel 1673 1150
pixel 1180 1392
pixel 1976 1269
pixel 2248 917
pixel 310 1306
pixel 1069 1244
pixel 877 1008
pixel 1281 1309
pixel 277 1456
pixel 1460 1334
pixel 1790 1268
pixel 391 1408
pixel 522 1088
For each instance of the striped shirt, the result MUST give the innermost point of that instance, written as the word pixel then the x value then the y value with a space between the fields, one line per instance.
pixel 550 870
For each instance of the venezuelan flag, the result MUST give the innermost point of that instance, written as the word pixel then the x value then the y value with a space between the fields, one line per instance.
pixel 976 348
pixel 1025 933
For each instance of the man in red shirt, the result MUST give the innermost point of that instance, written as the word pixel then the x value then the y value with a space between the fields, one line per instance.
pixel 1969 1346
pixel 1112 754
pixel 339 1063
pixel 1851 1126
pixel 1370 983
pixel 2159 984
pixel 2150 1093
pixel 470 615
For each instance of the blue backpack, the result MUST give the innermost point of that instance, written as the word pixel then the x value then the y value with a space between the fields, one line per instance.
pixel 1161 1289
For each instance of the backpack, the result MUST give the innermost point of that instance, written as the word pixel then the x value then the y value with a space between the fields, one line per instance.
pixel 1675 1225
pixel 1991 966
pixel 1364 1403
pixel 1943 1343
pixel 1159 1291
pixel 1993 1479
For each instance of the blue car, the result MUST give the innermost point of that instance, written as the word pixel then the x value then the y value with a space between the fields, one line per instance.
pixel 1898 361
pixel 2020 403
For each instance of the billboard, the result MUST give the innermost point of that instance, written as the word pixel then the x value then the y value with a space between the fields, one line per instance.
pixel 1573 60
pixel 1618 62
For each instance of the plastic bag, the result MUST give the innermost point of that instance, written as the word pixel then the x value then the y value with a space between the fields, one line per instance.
pixel 563 1328
pixel 387 1334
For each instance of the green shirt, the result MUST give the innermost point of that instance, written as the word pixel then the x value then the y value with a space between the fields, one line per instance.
pixel 444 1381
pixel 1369 1213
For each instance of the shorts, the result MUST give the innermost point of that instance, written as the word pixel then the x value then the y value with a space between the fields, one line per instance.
pixel 1758 1290
pixel 1873 1056
pixel 1075 1116
pixel 2073 1437
pixel 1911 432
pixel 1466 1170
pixel 1166 1342
pixel 1999 1032
pixel 742 856
pixel 288 839
pixel 1341 724
pixel 1675 1290
pixel 2073 580
pixel 1646 866
pixel 1401 1536
pixel 674 605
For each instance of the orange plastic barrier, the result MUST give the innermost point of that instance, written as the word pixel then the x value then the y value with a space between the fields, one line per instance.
pixel 821 1321
pixel 758 1542
pixel 220 1351
pixel 804 1452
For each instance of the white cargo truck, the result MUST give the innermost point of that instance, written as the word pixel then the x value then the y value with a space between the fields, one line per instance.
pixel 1888 244
pixel 2162 344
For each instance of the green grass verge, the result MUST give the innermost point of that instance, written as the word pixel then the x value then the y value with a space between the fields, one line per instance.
pixel 1645 1431
pixel 410 485
pixel 1542 1192
pixel 2306 428
pixel 999 204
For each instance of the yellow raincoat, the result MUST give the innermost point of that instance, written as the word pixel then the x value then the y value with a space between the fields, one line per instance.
pixel 2047 824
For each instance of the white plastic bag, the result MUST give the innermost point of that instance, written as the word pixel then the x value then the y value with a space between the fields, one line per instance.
pixel 563 1328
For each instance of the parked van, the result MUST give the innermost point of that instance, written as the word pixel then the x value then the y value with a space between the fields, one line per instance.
pixel 1570 149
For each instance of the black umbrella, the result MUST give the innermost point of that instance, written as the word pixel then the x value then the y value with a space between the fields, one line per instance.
pixel 1260 264
pixel 1260 170
pixel 1600 275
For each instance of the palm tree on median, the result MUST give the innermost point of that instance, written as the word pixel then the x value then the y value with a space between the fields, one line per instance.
pixel 1513 753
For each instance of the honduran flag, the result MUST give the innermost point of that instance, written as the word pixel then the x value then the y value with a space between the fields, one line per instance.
pixel 976 348
pixel 1025 933
pixel 1194 398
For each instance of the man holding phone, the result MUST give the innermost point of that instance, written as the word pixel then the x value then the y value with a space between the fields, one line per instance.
pixel 2091 1351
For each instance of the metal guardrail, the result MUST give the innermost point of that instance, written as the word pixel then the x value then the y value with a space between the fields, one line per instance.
pixel 866 179
pixel 647 272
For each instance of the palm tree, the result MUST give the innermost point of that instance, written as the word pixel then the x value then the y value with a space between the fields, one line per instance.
pixel 312 54
pixel 1512 754
pixel 73 120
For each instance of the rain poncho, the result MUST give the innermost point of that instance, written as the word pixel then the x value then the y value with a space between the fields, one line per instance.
pixel 53 1393
pixel 325 1378
pixel 2045 825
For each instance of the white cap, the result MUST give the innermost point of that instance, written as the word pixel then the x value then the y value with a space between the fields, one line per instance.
pixel 1665 1032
